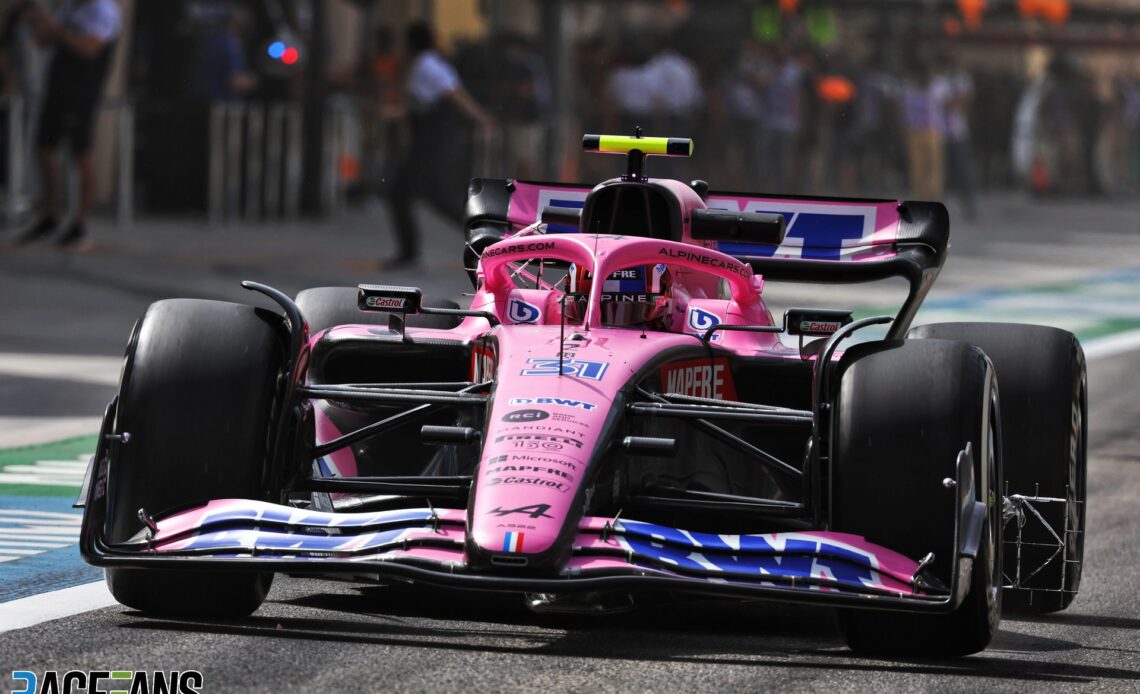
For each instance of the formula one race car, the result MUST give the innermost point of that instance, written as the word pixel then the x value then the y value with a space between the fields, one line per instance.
pixel 615 413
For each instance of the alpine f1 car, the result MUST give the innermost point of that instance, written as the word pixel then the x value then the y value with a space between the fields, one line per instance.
pixel 616 412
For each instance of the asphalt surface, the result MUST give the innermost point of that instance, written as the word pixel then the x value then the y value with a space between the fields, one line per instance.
pixel 319 635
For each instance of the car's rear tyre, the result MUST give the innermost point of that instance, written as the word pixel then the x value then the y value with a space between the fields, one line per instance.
pixel 1044 410
pixel 326 307
pixel 904 412
pixel 197 395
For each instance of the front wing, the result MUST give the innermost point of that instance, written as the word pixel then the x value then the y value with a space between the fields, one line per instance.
pixel 427 545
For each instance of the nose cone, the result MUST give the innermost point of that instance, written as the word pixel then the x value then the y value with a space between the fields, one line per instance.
pixel 548 423
pixel 538 447
pixel 541 435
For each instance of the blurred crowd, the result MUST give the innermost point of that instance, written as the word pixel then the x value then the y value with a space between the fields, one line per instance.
pixel 780 111
pixel 793 117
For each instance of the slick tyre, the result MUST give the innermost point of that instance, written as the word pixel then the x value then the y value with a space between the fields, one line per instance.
pixel 326 307
pixel 904 412
pixel 1044 414
pixel 198 395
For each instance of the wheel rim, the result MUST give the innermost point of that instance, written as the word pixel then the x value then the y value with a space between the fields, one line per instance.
pixel 993 514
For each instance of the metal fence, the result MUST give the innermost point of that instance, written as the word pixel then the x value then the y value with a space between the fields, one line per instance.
pixel 254 168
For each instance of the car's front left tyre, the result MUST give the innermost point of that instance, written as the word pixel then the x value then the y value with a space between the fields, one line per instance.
pixel 904 413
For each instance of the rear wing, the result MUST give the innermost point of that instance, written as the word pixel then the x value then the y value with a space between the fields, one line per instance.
pixel 828 240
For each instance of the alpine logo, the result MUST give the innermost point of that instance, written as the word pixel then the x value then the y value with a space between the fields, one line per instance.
pixel 534 511
pixel 519 311
pixel 701 320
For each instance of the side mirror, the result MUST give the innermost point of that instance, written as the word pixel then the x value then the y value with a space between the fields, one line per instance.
pixel 389 299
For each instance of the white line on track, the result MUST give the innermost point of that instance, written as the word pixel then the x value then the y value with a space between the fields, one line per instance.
pixel 36 609
pixel 1111 345
pixel 47 545
pixel 45 607
pixel 88 369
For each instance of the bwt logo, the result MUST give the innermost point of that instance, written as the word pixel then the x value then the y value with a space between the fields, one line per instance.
pixel 108 682
pixel 520 311
pixel 564 402
pixel 701 320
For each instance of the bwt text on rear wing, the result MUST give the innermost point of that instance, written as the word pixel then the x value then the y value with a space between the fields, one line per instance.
pixel 827 240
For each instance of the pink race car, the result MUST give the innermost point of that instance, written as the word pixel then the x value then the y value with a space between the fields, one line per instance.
pixel 617 410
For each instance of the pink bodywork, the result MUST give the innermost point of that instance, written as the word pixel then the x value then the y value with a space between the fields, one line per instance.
pixel 542 462
pixel 544 426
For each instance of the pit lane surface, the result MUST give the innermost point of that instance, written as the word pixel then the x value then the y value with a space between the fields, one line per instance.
pixel 312 634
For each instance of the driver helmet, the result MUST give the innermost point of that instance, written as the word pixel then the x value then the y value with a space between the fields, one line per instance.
pixel 639 296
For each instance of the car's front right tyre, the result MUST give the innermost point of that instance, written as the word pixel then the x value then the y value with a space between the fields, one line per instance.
pixel 198 396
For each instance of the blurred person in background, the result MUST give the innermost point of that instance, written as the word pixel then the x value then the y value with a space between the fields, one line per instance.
pixel 221 72
pixel 526 104
pixel 433 90
pixel 629 93
pixel 785 109
pixel 11 27
pixel 1128 93
pixel 992 126
pixel 746 107
pixel 83 34
pixel 377 80
pixel 677 98
pixel 923 113
pixel 808 160
pixel 955 91
pixel 836 166
pixel 1070 119
pixel 876 127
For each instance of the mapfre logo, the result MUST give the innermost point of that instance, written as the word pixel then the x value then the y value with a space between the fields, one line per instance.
pixel 699 378
pixel 484 361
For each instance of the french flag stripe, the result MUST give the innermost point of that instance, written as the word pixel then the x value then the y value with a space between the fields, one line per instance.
pixel 513 542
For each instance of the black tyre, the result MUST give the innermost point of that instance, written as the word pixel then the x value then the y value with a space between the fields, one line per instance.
pixel 904 412
pixel 325 307
pixel 1044 412
pixel 197 395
